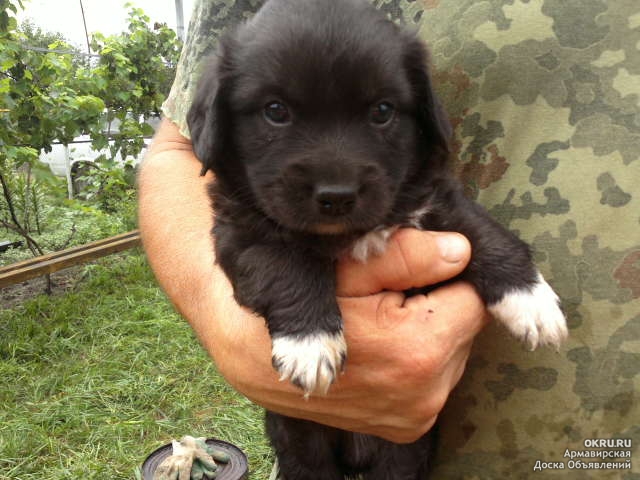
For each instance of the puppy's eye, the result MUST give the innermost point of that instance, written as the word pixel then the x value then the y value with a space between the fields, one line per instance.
pixel 277 112
pixel 382 113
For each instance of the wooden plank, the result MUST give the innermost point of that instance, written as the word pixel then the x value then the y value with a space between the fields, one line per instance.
pixel 67 252
pixel 50 263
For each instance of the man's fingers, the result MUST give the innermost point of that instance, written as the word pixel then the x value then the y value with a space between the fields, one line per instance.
pixel 459 301
pixel 447 317
pixel 413 259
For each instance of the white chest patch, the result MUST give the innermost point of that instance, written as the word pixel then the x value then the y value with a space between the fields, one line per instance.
pixel 532 315
pixel 415 219
pixel 371 244
pixel 375 242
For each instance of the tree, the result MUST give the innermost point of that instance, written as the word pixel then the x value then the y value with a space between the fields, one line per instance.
pixel 49 96
pixel 135 72
pixel 42 100
pixel 36 37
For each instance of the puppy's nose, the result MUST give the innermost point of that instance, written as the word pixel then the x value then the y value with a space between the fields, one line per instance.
pixel 335 199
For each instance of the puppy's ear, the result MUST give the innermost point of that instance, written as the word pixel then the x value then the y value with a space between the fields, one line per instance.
pixel 433 120
pixel 208 117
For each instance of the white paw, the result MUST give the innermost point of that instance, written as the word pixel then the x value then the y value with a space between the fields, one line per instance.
pixel 371 244
pixel 311 362
pixel 533 315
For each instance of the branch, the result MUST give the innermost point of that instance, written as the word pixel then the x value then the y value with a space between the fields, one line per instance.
pixel 31 243
pixel 7 197
pixel 7 74
pixel 68 241
pixel 16 226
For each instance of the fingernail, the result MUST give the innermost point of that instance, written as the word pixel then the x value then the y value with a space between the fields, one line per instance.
pixel 453 248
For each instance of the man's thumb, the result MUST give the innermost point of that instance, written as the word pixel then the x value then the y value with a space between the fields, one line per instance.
pixel 412 259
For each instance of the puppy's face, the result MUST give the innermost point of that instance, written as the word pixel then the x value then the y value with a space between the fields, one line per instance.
pixel 323 110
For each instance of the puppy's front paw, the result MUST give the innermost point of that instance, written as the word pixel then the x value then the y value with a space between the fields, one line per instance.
pixel 533 315
pixel 311 362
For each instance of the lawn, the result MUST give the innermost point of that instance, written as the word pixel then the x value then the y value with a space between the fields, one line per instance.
pixel 94 379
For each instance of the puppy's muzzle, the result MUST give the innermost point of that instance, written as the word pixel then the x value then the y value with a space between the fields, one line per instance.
pixel 335 199
pixel 331 195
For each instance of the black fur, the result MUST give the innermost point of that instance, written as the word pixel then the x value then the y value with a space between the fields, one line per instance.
pixel 277 236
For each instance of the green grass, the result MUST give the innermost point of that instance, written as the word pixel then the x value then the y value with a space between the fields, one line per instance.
pixel 93 380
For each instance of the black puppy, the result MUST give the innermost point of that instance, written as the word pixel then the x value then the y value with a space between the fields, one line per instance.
pixel 320 123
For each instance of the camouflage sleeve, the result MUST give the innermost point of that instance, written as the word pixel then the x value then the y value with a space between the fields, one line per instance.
pixel 545 99
pixel 544 96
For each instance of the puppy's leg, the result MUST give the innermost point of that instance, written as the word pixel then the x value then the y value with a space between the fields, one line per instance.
pixel 407 461
pixel 532 313
pixel 295 293
pixel 305 450
pixel 367 457
pixel 501 269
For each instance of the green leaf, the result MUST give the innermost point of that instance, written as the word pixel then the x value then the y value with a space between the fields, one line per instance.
pixel 8 63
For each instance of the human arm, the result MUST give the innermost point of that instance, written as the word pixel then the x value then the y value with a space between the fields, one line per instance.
pixel 405 355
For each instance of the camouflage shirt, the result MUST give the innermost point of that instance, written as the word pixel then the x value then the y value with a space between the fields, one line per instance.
pixel 544 96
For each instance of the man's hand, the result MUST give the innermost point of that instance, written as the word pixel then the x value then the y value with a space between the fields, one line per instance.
pixel 405 355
